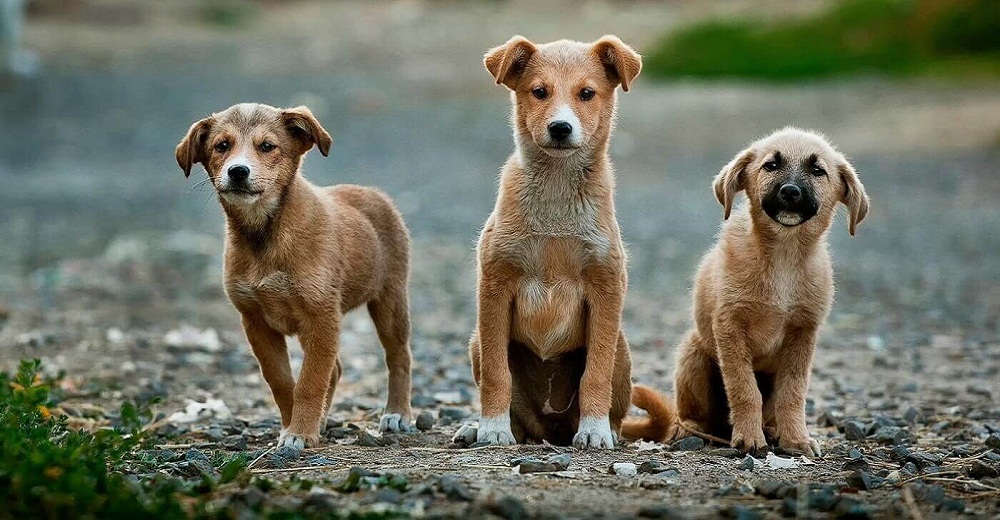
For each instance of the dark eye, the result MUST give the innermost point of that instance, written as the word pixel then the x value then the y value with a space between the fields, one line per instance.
pixel 587 94
pixel 817 170
pixel 266 147
pixel 222 147
pixel 540 92
pixel 771 166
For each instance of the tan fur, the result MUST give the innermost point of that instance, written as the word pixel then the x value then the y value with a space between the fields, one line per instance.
pixel 760 297
pixel 299 256
pixel 548 349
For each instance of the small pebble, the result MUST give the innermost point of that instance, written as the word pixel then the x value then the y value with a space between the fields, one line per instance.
pixel 653 467
pixel 235 443
pixel 368 440
pixel 854 431
pixel 979 470
pixel 892 436
pixel 527 465
pixel 993 441
pixel 862 480
pixel 625 469
pixel 691 443
pixel 425 420
pixel 747 463
pixel 454 413
pixel 283 456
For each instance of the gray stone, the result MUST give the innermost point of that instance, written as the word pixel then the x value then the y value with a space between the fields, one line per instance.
pixel 862 480
pixel 747 463
pixel 624 469
pixel 979 470
pixel 368 440
pixel 283 456
pixel 533 465
pixel 854 431
pixel 653 467
pixel 454 413
pixel 691 443
pixel 234 443
pixel 425 421
pixel 892 436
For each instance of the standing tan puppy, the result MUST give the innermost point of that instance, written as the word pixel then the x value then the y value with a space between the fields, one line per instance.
pixel 299 256
pixel 760 297
pixel 548 352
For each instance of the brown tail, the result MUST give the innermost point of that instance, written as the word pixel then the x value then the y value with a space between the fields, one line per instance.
pixel 660 422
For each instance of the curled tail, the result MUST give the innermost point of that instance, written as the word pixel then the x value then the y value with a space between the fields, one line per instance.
pixel 660 422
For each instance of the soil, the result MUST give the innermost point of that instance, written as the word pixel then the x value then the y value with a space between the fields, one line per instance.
pixel 111 265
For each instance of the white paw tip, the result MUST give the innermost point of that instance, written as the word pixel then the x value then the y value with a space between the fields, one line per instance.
pixel 393 422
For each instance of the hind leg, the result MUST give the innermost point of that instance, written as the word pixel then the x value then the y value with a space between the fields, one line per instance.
pixel 334 379
pixel 391 314
pixel 694 387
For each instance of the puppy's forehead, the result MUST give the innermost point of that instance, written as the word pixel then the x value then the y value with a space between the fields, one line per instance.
pixel 244 117
pixel 797 144
pixel 565 55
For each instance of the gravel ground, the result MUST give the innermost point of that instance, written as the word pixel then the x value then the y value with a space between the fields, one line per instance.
pixel 111 267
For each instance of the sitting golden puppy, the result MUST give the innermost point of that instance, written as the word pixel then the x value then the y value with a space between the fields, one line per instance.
pixel 548 352
pixel 299 256
pixel 760 297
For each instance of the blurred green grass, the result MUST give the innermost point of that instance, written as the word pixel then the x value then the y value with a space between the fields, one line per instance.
pixel 948 38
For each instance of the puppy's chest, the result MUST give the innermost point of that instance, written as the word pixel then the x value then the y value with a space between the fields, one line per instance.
pixel 550 294
pixel 274 294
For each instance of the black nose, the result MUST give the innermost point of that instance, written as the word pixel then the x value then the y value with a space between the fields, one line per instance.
pixel 239 172
pixel 790 193
pixel 560 130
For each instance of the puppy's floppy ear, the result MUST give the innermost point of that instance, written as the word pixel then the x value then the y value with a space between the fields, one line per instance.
pixel 854 197
pixel 302 124
pixel 192 149
pixel 732 179
pixel 621 61
pixel 507 62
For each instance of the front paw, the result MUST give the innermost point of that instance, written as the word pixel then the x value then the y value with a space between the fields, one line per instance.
pixel 802 446
pixel 594 432
pixel 495 431
pixel 394 423
pixel 749 440
pixel 298 441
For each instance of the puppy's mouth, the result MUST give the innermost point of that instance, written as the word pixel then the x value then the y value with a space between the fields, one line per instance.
pixel 559 150
pixel 789 218
pixel 244 195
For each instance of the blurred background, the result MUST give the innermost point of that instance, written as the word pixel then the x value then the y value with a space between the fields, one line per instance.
pixel 110 260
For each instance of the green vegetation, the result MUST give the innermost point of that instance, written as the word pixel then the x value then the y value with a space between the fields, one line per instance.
pixel 50 470
pixel 893 37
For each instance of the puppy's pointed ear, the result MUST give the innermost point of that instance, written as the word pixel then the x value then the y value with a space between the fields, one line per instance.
pixel 193 148
pixel 507 62
pixel 732 179
pixel 854 197
pixel 303 126
pixel 620 61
